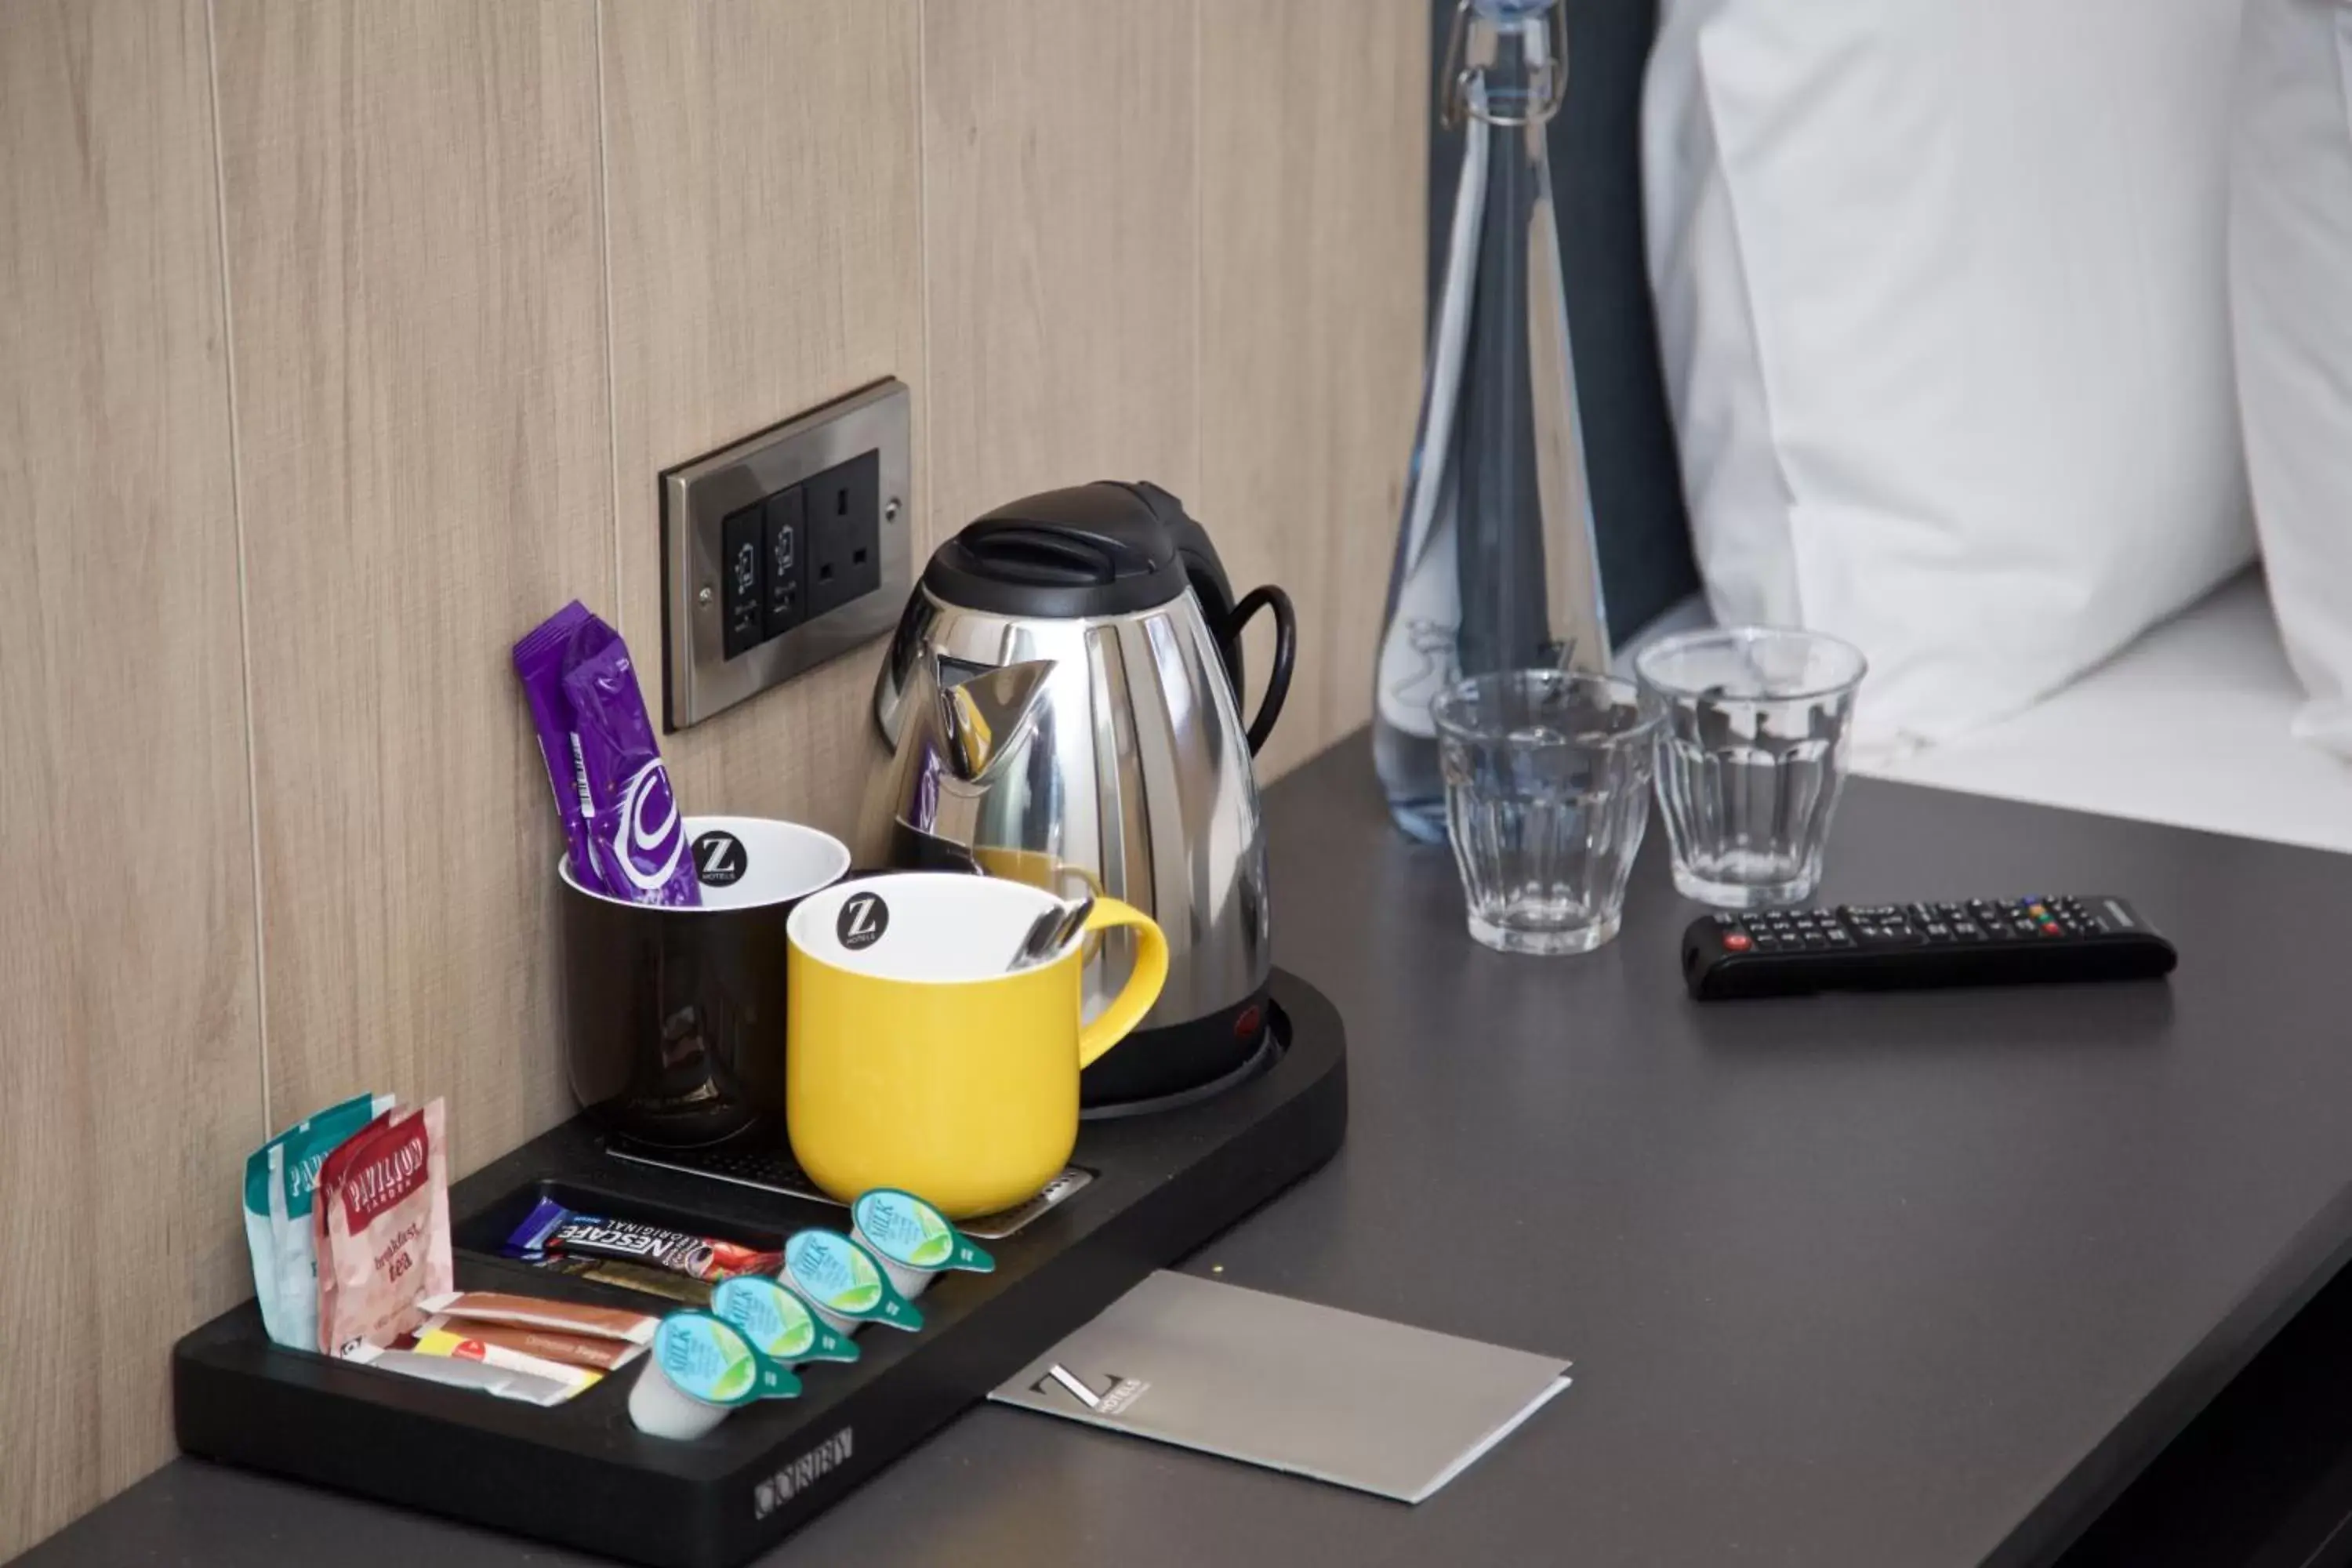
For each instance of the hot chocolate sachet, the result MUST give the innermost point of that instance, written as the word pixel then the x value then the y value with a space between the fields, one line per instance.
pixel 626 838
pixel 538 664
pixel 634 830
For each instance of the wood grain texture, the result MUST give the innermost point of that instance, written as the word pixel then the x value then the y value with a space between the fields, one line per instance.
pixel 1175 239
pixel 1313 138
pixel 766 236
pixel 417 292
pixel 1062 246
pixel 130 1066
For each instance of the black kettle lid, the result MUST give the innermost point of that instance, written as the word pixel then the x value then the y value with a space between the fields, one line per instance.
pixel 1104 549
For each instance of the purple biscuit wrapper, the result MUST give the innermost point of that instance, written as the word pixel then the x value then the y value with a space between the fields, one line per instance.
pixel 529 1238
pixel 538 664
pixel 636 839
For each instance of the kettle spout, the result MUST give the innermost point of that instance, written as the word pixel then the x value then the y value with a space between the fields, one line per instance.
pixel 983 718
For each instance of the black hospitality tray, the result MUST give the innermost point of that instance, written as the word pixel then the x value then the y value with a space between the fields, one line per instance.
pixel 582 1475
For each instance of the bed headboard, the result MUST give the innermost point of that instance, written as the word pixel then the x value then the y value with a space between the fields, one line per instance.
pixel 1637 498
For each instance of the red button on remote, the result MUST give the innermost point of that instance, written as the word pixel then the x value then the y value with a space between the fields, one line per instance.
pixel 1736 941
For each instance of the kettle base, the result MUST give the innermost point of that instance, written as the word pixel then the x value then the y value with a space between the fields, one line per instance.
pixel 1169 1063
pixel 1269 1051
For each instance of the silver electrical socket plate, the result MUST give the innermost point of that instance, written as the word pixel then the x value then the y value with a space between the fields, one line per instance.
pixel 698 679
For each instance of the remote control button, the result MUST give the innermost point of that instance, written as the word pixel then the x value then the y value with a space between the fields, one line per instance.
pixel 1936 928
pixel 1968 930
pixel 1737 941
pixel 1816 943
pixel 1840 938
pixel 2052 928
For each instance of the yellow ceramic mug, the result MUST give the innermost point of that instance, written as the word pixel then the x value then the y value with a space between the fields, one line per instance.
pixel 913 1060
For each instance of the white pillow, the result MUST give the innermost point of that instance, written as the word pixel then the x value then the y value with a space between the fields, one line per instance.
pixel 2290 295
pixel 1941 297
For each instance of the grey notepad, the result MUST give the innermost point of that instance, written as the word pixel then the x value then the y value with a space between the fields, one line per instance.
pixel 1357 1401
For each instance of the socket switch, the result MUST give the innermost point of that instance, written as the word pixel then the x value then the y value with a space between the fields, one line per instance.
pixel 784 551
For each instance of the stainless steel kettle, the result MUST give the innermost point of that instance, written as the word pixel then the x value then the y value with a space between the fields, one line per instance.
pixel 1062 702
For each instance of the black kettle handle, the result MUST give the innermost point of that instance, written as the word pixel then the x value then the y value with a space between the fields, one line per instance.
pixel 1203 570
pixel 1210 584
pixel 1286 654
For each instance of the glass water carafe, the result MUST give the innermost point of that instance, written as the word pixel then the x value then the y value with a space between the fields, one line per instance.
pixel 1495 562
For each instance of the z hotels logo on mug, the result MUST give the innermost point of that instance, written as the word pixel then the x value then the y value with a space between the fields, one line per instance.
pixel 720 861
pixel 864 918
pixel 915 1058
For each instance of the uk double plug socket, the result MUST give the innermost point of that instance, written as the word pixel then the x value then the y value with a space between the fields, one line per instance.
pixel 784 551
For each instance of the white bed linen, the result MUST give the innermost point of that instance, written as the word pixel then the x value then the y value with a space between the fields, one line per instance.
pixel 2189 725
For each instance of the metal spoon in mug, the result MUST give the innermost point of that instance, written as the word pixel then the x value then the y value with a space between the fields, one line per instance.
pixel 1050 932
pixel 1072 922
pixel 1038 939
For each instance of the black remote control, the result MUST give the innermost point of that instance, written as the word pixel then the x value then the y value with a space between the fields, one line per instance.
pixel 1894 947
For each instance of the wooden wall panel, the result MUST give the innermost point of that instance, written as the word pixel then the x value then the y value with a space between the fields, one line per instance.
pixel 418 324
pixel 766 257
pixel 1314 136
pixel 1062 246
pixel 488 268
pixel 130 1080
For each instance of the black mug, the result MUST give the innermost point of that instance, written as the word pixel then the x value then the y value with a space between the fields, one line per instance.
pixel 673 1019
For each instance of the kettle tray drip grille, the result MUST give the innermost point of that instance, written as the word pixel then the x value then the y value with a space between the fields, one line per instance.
pixel 772 1170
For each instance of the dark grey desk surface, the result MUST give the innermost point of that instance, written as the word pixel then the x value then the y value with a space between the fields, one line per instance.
pixel 1873 1280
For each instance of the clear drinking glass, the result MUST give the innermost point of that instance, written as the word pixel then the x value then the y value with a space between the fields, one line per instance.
pixel 1750 758
pixel 1546 791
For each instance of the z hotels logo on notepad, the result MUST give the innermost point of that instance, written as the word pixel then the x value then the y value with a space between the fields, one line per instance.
pixel 1122 1392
